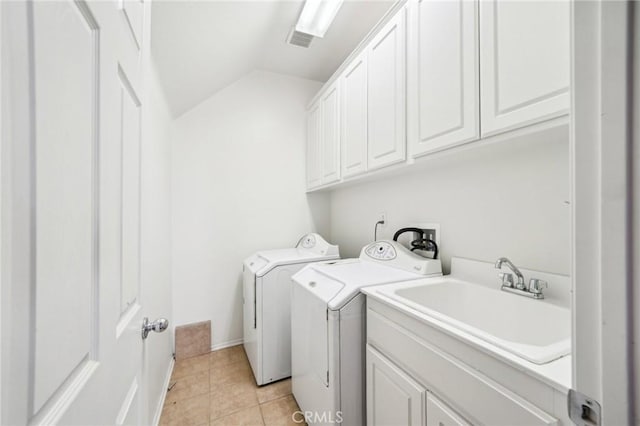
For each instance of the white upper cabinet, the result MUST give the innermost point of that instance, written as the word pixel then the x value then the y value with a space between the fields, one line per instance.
pixel 387 93
pixel 525 62
pixel 354 118
pixel 323 139
pixel 443 86
pixel 314 138
pixel 440 73
pixel 330 140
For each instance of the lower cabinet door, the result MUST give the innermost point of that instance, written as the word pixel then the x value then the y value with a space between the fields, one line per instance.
pixel 393 398
pixel 439 414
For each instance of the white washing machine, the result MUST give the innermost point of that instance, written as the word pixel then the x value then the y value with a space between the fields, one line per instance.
pixel 266 304
pixel 328 328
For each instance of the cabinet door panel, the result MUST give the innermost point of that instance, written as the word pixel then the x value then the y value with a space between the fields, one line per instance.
pixel 486 400
pixel 524 57
pixel 446 75
pixel 387 94
pixel 393 398
pixel 354 118
pixel 314 133
pixel 330 136
pixel 439 414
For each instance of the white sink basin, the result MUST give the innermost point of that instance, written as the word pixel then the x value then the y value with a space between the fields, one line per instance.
pixel 531 329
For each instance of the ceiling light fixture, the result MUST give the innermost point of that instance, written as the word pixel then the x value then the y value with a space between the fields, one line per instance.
pixel 317 15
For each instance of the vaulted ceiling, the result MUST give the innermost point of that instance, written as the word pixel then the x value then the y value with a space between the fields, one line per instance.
pixel 202 46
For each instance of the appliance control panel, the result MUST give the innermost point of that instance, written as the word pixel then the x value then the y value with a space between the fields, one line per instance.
pixel 316 244
pixel 394 254
pixel 381 250
pixel 308 241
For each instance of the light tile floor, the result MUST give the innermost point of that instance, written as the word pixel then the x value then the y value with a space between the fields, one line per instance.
pixel 218 388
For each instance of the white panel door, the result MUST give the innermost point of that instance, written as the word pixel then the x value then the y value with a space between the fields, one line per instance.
pixel 330 152
pixel 439 414
pixel 65 180
pixel 393 398
pixel 74 283
pixel 353 118
pixel 314 153
pixel 386 89
pixel 445 80
pixel 525 62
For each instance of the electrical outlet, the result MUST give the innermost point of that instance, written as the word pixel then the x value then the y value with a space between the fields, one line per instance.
pixel 382 217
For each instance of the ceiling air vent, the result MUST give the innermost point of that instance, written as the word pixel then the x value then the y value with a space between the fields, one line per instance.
pixel 298 38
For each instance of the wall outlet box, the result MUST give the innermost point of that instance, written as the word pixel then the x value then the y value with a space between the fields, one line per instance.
pixel 432 230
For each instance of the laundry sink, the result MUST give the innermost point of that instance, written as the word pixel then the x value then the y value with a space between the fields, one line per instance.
pixel 534 330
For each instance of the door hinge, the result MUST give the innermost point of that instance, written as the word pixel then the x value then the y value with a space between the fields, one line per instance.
pixel 327 377
pixel 583 411
pixel 327 312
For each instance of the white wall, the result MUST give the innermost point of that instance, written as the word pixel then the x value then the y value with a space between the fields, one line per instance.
pixel 505 199
pixel 155 254
pixel 238 185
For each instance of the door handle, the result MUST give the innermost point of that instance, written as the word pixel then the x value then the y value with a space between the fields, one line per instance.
pixel 158 326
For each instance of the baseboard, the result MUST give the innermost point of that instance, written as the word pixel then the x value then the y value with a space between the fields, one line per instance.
pixel 163 396
pixel 223 345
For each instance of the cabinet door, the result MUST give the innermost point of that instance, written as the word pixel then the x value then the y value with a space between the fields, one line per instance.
pixel 387 94
pixel 354 118
pixel 525 61
pixel 330 135
pixel 439 414
pixel 445 75
pixel 393 398
pixel 314 138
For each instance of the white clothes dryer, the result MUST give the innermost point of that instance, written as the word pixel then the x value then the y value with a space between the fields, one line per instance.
pixel 267 304
pixel 328 328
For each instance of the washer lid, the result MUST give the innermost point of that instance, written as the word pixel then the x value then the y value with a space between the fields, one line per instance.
pixel 310 248
pixel 336 283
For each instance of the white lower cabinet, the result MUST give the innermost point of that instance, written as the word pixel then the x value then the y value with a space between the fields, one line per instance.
pixel 411 380
pixel 393 398
pixel 439 414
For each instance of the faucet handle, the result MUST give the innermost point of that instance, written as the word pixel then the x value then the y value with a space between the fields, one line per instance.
pixel 507 279
pixel 536 285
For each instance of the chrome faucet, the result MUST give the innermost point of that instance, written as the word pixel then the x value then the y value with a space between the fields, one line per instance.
pixel 534 289
pixel 507 279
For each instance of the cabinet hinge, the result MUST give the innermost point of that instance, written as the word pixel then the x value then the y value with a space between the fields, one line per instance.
pixel 583 411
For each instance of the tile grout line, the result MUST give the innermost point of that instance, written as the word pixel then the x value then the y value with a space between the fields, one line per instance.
pixel 226 362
